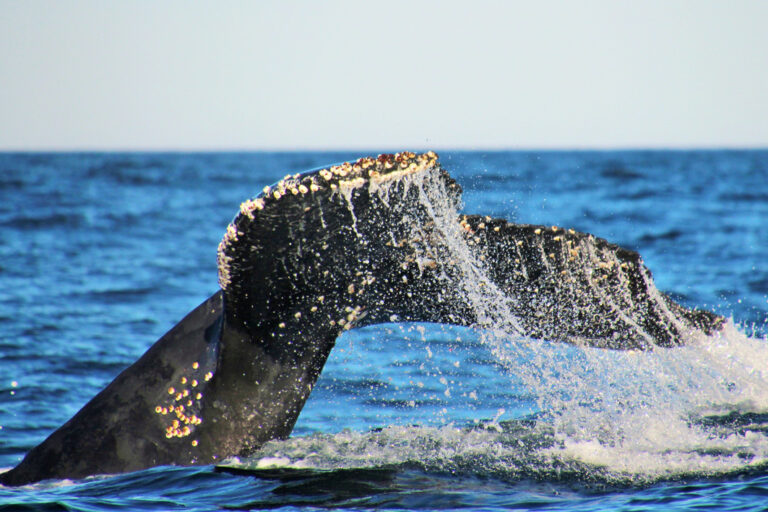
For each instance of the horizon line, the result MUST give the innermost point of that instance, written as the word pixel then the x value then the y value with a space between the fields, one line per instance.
pixel 383 149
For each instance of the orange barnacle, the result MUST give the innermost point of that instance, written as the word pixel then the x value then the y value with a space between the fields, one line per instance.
pixel 194 442
pixel 171 391
pixel 158 409
pixel 183 380
pixel 198 396
pixel 195 365
pixel 194 382
pixel 208 376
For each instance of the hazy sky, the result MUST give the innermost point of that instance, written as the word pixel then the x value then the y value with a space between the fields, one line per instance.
pixel 396 74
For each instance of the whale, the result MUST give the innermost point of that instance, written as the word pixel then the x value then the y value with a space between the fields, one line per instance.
pixel 377 240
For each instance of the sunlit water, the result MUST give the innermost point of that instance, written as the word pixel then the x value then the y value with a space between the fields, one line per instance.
pixel 101 254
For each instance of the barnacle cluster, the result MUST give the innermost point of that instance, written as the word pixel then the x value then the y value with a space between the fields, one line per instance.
pixel 182 403
pixel 335 179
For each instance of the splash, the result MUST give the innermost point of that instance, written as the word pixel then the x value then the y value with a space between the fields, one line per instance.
pixel 611 417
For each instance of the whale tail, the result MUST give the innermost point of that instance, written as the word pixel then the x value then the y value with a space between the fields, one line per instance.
pixel 375 241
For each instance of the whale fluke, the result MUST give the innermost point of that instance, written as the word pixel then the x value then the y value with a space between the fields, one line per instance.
pixel 375 241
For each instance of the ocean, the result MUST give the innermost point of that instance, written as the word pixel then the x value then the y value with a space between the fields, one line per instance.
pixel 102 253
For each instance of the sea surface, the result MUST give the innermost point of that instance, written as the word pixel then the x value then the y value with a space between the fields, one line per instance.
pixel 102 253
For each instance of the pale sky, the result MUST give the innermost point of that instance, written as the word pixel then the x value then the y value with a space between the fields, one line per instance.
pixel 212 75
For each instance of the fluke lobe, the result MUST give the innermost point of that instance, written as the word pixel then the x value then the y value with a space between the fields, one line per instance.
pixel 326 251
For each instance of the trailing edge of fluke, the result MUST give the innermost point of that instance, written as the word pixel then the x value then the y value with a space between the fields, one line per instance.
pixel 326 251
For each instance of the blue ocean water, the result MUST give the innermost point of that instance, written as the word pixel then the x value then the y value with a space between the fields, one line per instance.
pixel 100 254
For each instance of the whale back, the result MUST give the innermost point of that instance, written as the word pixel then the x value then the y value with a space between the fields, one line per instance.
pixel 129 424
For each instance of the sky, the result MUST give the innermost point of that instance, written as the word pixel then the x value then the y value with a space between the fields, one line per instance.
pixel 229 75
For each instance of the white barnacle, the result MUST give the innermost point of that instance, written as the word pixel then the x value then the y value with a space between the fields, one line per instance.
pixel 276 194
pixel 297 315
pixel 537 231
pixel 246 209
pixel 313 187
pixel 303 189
pixel 496 229
pixel 232 232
